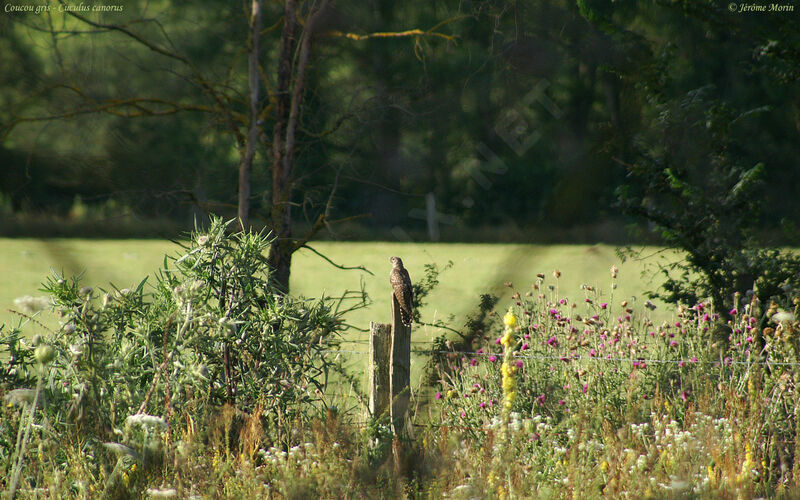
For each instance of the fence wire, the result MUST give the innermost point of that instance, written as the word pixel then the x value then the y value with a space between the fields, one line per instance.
pixel 595 359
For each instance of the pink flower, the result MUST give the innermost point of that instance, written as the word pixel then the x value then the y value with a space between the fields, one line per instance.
pixel 524 347
pixel 498 340
pixel 492 358
pixel 694 359
pixel 438 395
pixel 519 363
pixel 463 414
pixel 673 343
pixel 749 339
pixel 482 405
pixel 684 395
pixel 733 312
pixel 603 305
pixel 585 388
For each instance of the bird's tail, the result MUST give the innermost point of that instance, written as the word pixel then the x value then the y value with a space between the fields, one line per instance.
pixel 405 317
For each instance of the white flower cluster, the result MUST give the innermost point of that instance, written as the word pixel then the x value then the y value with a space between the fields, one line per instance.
pixel 301 457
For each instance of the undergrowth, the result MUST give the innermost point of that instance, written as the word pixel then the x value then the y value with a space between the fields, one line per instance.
pixel 207 383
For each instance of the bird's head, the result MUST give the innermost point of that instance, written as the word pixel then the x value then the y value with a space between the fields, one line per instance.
pixel 396 261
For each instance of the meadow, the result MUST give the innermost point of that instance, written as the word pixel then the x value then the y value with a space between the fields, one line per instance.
pixel 575 387
pixel 476 269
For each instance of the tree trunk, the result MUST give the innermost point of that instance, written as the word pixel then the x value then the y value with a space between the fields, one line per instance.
pixel 280 253
pixel 246 163
pixel 289 97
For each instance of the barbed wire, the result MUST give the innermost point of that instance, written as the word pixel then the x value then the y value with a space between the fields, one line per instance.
pixel 582 358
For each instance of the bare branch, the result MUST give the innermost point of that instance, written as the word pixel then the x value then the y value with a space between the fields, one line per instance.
pixel 391 34
pixel 334 264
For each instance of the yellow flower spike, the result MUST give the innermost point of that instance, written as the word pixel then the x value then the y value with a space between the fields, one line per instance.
pixel 133 468
pixel 510 319
pixel 712 476
pixel 604 466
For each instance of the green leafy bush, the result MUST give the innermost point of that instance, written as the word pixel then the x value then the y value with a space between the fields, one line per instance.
pixel 692 179
pixel 209 332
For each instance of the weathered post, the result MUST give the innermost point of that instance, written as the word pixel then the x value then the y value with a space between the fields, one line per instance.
pixel 379 344
pixel 400 369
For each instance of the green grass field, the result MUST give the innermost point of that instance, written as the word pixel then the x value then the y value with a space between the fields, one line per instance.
pixel 477 269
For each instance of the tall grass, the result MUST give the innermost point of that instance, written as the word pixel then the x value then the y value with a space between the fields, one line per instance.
pixel 569 393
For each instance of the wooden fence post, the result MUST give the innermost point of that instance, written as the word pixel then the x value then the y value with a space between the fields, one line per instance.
pixel 400 369
pixel 390 369
pixel 379 359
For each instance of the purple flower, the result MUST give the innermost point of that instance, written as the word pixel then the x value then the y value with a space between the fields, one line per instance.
pixel 563 302
pixel 585 388
pixel 473 362
pixel 552 340
pixel 733 312
pixel 541 399
pixel 706 317
pixel 524 347
pixel 749 339
pixel 463 414
pixel 604 305
pixel 694 359
pixel 498 340
pixel 519 363
pixel 592 353
pixel 673 343
pixel 482 405
pixel 492 358
pixel 681 363
pixel 438 395
pixel 684 395
pixel 561 402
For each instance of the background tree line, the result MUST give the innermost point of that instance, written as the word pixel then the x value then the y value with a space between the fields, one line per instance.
pixel 518 115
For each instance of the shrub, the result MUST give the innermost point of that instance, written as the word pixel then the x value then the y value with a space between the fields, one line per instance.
pixel 209 332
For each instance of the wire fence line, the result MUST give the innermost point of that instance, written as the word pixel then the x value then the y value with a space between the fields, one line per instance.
pixel 595 359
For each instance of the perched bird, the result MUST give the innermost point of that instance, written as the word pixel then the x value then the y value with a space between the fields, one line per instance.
pixel 403 291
